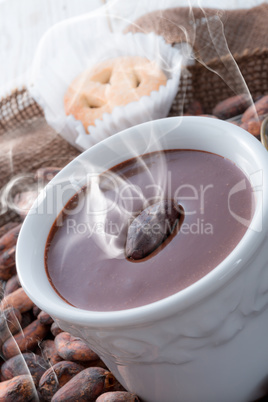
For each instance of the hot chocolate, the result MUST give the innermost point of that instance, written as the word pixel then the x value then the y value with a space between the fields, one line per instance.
pixel 204 202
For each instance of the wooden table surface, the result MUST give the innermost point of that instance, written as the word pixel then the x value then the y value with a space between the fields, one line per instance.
pixel 23 22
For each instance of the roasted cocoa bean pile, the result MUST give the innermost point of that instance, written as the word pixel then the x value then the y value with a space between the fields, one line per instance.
pixel 238 109
pixel 38 360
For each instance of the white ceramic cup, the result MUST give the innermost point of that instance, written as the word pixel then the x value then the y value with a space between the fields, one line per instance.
pixel 206 343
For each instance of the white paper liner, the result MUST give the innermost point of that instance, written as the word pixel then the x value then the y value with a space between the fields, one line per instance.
pixel 61 57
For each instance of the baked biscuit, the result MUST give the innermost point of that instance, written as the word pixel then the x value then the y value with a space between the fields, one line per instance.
pixel 111 83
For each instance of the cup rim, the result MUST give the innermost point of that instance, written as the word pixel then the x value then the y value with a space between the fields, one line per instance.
pixel 181 300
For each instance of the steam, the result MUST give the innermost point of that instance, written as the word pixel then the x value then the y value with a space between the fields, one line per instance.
pixel 99 208
pixel 232 75
pixel 18 184
pixel 216 46
pixel 110 202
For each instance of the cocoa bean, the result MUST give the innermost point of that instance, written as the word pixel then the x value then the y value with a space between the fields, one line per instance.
pixel 74 349
pixel 7 227
pixel 55 329
pixel 9 324
pixel 45 318
pixel 85 386
pixel 18 389
pixel 23 364
pixel 26 319
pixel 36 311
pixel 232 106
pixel 94 363
pixel 12 284
pixel 25 340
pixel 17 299
pixel 7 263
pixel 194 109
pixel 253 126
pixel 56 377
pixel 10 238
pixel 260 108
pixel 45 174
pixel 24 201
pixel 151 228
pixel 119 396
pixel 11 317
pixel 1 364
pixel 49 352
pixel 116 387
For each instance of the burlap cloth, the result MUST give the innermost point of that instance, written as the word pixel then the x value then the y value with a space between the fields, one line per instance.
pixel 26 142
pixel 244 29
pixel 221 40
